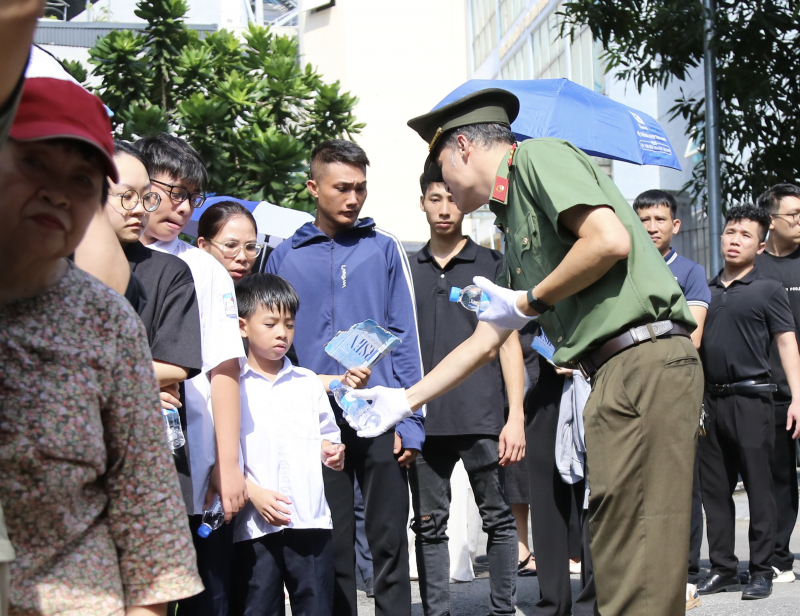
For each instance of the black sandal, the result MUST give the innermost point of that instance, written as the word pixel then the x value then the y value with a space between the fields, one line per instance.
pixel 522 567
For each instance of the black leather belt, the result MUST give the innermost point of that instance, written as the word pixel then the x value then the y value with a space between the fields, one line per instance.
pixel 627 339
pixel 751 386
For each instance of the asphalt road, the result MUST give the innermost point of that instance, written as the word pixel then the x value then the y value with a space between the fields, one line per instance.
pixel 472 598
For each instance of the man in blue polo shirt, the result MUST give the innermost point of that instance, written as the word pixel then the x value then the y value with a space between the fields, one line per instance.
pixel 658 212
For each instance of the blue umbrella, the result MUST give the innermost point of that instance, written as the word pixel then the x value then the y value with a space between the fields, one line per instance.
pixel 277 222
pixel 596 124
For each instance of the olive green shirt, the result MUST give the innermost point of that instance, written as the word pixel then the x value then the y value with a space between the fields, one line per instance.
pixel 547 177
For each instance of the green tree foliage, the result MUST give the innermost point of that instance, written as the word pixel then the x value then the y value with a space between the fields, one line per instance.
pixel 654 41
pixel 249 108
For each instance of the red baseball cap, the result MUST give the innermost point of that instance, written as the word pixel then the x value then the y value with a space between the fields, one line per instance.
pixel 60 109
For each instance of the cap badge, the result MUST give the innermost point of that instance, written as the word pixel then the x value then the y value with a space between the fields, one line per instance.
pixel 435 137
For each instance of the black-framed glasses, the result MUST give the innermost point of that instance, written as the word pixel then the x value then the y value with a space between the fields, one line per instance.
pixel 130 199
pixel 795 217
pixel 178 194
pixel 232 248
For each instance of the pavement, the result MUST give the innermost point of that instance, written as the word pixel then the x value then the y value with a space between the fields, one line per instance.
pixel 472 598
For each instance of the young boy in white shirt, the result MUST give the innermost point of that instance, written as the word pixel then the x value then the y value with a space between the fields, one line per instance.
pixel 283 535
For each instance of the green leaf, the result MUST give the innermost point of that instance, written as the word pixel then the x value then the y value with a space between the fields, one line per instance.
pixel 251 111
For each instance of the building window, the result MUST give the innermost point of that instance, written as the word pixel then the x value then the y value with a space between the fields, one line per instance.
pixel 519 66
pixel 556 57
pixel 509 11
pixel 484 27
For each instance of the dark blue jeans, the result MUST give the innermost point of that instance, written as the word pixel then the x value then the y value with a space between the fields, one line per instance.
pixel 429 478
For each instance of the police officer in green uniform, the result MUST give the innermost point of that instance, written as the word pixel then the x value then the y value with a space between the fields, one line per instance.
pixel 578 259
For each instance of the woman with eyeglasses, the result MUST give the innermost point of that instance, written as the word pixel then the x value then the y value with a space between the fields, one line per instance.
pixel 170 312
pixel 227 231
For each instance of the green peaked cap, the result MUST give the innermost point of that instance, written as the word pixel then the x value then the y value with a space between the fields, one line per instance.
pixel 489 106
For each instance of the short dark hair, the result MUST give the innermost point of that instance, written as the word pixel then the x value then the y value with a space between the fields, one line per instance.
pixel 164 153
pixel 267 290
pixel 655 198
pixel 485 135
pixel 337 151
pixel 216 216
pixel 425 181
pixel 748 211
pixel 126 147
pixel 770 199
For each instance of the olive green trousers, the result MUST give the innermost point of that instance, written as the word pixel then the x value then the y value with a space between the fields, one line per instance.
pixel 641 423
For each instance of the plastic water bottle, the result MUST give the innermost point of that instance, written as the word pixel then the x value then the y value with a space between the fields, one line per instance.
pixel 358 409
pixel 175 436
pixel 471 297
pixel 213 517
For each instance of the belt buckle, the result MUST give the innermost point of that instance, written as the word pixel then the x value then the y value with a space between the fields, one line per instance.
pixel 583 371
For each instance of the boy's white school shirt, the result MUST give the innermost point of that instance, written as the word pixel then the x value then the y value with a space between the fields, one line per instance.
pixel 283 424
pixel 220 341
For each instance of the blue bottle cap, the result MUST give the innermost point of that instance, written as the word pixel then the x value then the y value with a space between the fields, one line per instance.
pixel 335 384
pixel 455 293
pixel 204 530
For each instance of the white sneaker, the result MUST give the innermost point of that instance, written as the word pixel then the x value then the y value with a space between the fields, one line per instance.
pixel 692 597
pixel 782 577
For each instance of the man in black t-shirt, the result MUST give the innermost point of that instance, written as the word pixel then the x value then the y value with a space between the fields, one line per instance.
pixel 466 423
pixel 747 311
pixel 781 261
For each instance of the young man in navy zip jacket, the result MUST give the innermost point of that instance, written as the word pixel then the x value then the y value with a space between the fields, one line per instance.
pixel 346 270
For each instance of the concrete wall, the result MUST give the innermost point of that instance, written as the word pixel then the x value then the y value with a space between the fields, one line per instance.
pixel 400 59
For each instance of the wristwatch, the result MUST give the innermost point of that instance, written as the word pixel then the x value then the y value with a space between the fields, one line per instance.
pixel 537 304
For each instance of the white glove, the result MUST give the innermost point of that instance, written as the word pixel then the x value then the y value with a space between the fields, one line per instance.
pixel 502 311
pixel 390 403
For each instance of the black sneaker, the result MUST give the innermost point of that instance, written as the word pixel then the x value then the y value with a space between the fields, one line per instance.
pixel 760 587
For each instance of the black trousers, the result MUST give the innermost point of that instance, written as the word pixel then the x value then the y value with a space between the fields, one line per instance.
pixel 784 478
pixel 740 439
pixel 214 557
pixel 551 502
pixel 384 486
pixel 696 529
pixel 430 493
pixel 301 559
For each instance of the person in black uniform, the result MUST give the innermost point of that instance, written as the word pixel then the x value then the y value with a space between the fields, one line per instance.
pixel 747 311
pixel 781 261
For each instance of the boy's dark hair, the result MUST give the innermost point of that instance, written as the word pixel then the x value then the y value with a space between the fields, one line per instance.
pixel 164 153
pixel 770 199
pixel 425 181
pixel 267 290
pixel 217 216
pixel 748 211
pixel 655 198
pixel 337 151
pixel 126 147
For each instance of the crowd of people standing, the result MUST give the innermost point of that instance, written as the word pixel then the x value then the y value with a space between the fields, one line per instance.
pixel 108 317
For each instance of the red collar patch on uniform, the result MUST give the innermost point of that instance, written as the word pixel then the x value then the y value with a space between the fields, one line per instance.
pixel 500 189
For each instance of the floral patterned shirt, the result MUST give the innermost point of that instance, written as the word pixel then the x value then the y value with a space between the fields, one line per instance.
pixel 87 484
